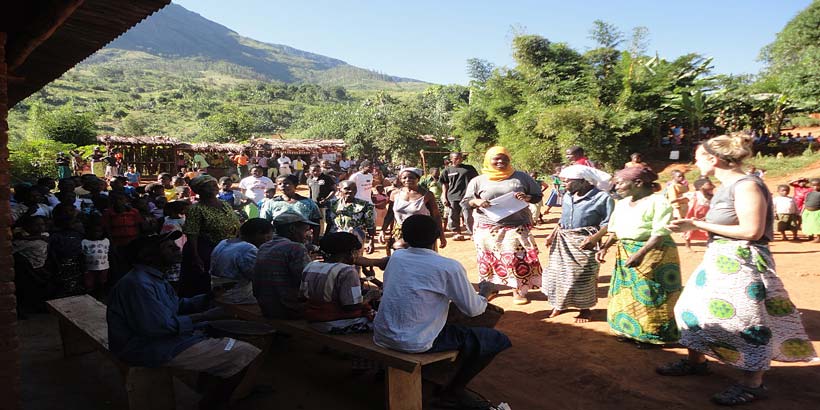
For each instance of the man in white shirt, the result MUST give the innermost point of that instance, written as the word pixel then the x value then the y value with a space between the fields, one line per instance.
pixel 418 287
pixel 364 181
pixel 255 185
pixel 284 164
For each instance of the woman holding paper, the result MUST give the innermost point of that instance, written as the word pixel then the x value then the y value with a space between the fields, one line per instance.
pixel 506 250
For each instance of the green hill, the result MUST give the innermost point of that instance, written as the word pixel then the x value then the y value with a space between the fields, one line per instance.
pixel 186 41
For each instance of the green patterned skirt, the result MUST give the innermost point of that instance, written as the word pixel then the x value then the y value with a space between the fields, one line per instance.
pixel 641 300
pixel 735 308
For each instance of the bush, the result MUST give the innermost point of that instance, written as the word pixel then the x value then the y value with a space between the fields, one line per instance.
pixel 63 124
pixel 33 158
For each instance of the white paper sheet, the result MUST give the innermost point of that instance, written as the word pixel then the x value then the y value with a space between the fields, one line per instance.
pixel 503 206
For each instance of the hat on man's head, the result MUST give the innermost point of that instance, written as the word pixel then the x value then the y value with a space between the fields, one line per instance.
pixel 151 241
pixel 289 217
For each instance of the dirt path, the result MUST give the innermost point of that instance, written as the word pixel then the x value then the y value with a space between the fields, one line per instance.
pixel 553 364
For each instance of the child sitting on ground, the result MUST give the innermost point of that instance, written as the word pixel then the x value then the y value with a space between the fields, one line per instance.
pixel 95 251
pixel 786 216
pixel 174 221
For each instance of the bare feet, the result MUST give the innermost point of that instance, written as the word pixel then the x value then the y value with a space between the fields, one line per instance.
pixel 583 316
pixel 555 312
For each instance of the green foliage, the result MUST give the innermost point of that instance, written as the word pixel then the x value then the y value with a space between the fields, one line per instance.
pixel 230 124
pixel 793 58
pixel 30 159
pixel 804 122
pixel 64 124
pixel 134 125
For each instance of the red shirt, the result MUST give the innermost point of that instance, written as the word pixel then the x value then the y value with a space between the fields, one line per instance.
pixel 584 161
pixel 122 227
pixel 800 193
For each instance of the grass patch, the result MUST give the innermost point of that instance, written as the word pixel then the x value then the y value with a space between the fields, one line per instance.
pixel 777 167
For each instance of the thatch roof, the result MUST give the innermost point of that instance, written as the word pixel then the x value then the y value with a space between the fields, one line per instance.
pixel 47 38
pixel 217 147
pixel 298 146
pixel 147 141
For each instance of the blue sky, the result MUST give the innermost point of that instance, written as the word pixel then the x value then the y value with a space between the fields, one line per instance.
pixel 431 40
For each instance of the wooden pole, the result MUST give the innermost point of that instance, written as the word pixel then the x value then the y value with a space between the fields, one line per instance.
pixel 9 343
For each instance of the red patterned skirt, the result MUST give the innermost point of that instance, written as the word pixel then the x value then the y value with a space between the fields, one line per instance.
pixel 507 255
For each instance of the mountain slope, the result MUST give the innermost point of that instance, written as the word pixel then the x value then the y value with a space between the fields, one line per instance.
pixel 181 36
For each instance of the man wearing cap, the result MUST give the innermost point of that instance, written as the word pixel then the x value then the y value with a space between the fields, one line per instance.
pixel 148 325
pixel 277 273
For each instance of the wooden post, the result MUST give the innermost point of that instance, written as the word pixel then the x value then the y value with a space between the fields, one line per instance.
pixel 9 343
pixel 403 389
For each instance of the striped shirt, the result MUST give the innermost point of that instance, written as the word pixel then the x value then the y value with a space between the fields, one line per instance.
pixel 277 275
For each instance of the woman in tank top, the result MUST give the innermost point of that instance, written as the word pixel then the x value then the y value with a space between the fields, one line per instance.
pixel 411 199
pixel 734 307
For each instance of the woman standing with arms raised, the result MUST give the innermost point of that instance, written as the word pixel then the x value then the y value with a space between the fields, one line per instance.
pixel 507 254
pixel 735 307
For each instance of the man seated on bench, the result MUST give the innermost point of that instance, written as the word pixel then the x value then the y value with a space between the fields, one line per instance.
pixel 232 261
pixel 418 287
pixel 333 289
pixel 149 326
pixel 280 261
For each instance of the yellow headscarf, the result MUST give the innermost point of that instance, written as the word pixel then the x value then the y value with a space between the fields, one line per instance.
pixel 490 171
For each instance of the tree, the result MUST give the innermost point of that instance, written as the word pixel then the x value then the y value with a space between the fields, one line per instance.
pixel 230 124
pixel 134 125
pixel 792 59
pixel 64 124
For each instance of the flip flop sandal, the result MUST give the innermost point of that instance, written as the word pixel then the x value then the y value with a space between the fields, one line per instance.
pixel 740 394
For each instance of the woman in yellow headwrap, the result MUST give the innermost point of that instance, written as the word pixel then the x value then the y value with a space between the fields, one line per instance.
pixel 507 254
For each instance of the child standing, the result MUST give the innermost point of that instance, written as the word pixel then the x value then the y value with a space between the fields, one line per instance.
pixel 175 221
pixel 811 211
pixel 674 193
pixel 380 204
pixel 786 216
pixel 699 200
pixel 95 252
pixel 133 176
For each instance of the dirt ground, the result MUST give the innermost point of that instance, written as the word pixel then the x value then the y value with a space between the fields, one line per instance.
pixel 553 364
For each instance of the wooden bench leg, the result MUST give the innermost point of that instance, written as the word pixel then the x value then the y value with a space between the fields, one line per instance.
pixel 150 389
pixel 74 341
pixel 403 389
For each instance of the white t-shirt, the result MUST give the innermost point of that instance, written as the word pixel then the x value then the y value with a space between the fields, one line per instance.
pixel 364 185
pixel 254 188
pixel 418 287
pixel 784 205
pixel 283 161
pixel 96 253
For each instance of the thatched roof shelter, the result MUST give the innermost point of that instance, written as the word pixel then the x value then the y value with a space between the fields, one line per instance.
pixel 151 155
pixel 213 147
pixel 299 146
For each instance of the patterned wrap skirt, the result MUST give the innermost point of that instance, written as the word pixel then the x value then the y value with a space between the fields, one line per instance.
pixel 642 299
pixel 508 256
pixel 572 273
pixel 735 308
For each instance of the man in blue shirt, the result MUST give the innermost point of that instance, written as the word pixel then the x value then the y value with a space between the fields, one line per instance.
pixel 148 325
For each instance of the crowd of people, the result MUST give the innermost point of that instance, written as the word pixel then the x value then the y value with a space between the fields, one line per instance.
pixel 161 252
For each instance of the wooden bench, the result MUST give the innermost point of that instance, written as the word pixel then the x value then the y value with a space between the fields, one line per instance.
pixel 403 378
pixel 83 329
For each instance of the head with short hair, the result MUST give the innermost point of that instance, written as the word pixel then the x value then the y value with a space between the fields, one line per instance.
pixel 340 246
pixel 456 158
pixel 256 231
pixel 701 182
pixel 420 231
pixel 783 189
pixel 574 153
pixel 34 225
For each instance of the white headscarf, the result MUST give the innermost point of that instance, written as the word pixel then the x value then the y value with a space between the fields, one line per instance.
pixel 596 177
